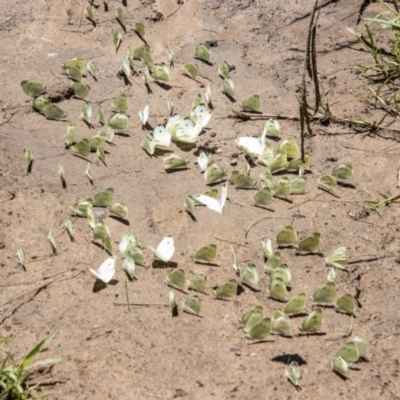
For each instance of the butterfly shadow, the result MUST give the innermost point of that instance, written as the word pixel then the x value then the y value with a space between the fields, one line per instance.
pixel 186 147
pixel 209 264
pixel 253 289
pixel 257 342
pixel 119 219
pixel 263 207
pixel 148 88
pixel 230 98
pixel 163 85
pixel 284 199
pixel 174 170
pixel 193 218
pixel 298 315
pixel 205 62
pixel 141 38
pixel 100 285
pixel 29 169
pixel 306 334
pixel 83 158
pixel 309 254
pixel 346 185
pixel 162 264
pixel 176 288
pixel 195 315
pixel 288 358
pixel 342 377
pixel 122 25
pixel 122 134
pixel 329 192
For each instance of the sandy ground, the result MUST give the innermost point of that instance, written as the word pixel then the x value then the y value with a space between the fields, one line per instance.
pixel 109 352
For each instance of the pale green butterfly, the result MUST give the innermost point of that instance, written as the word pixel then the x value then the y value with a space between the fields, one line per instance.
pixel 298 162
pixel 101 116
pixel 74 62
pixel 143 53
pixel 107 245
pixel 344 172
pixel 100 153
pixel 53 112
pixel 104 198
pixel 120 16
pixel 279 161
pixel 272 128
pixel 227 290
pixel 125 66
pixel 120 210
pixel 337 258
pixel 90 66
pixel 173 161
pixel 331 277
pixel 289 146
pixel 120 103
pixel 75 73
pixel 313 322
pixel 119 121
pixel 253 103
pixel 80 208
pixel 281 325
pixel 161 72
pixel 129 266
pixel 139 28
pixel 228 87
pixel 255 310
pixel 206 254
pixel 172 302
pixel 345 304
pixel 106 271
pixel 189 204
pixel 325 294
pixel 86 112
pixel 263 197
pixel 101 231
pixel 234 261
pixel 242 181
pixel 191 70
pixel 32 89
pixel 39 102
pixel 296 304
pixel 349 352
pixel 203 52
pixel 310 243
pixel 261 330
pixel 28 156
pixel 95 142
pixel 192 305
pixel 223 70
pixel 282 273
pixel 117 38
pixel 90 14
pixel 107 132
pixel 292 372
pixel 277 290
pixel 361 344
pixel 82 148
pixel 165 250
pixel 286 236
pixel 127 242
pixel 297 185
pixel 177 278
pixel 282 187
pixel 21 255
pixel 197 282
pixel 327 182
pixel 90 216
pixel 340 366
pixel 80 89
pixel 250 274
pixel 252 321
pixel 213 173
pixel 186 131
pixel 274 261
pixel 266 178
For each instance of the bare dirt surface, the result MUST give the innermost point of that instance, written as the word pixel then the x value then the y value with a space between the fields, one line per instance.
pixel 107 351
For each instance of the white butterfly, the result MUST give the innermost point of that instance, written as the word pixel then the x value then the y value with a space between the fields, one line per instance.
pixel 127 242
pixel 204 160
pixel 162 137
pixel 251 145
pixel 211 203
pixel 200 114
pixel 187 132
pixel 106 270
pixel 143 115
pixel 173 123
pixel 165 250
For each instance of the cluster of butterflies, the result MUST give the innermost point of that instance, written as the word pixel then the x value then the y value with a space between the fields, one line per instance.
pixel 84 208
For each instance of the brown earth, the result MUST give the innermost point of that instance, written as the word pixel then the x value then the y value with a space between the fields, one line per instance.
pixel 107 351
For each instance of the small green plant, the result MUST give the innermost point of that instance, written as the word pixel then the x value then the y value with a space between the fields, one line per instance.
pixel 15 377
